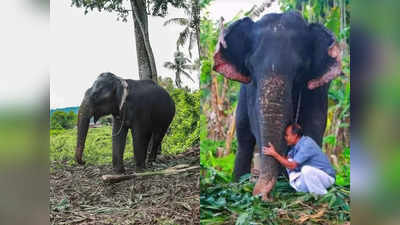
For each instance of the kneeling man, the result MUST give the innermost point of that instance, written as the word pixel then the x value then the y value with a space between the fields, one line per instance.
pixel 308 167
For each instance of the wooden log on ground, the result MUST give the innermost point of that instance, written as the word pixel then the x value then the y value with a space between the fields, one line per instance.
pixel 170 171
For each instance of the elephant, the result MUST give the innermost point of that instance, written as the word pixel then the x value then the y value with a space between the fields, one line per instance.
pixel 140 105
pixel 285 66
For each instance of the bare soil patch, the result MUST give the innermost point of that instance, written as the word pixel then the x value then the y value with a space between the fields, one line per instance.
pixel 79 196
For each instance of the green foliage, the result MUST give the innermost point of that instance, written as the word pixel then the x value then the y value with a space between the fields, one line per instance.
pixel 62 120
pixel 184 130
pixel 208 148
pixel 204 3
pixel 97 147
pixel 333 21
pixel 155 7
pixel 222 202
pixel 75 109
pixel 343 172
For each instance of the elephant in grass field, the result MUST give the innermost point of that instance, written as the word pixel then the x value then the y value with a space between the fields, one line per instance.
pixel 285 66
pixel 139 105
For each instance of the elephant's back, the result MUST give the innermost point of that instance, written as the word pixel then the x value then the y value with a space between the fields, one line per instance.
pixel 154 100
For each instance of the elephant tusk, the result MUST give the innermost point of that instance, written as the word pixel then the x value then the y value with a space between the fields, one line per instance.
pixel 125 93
pixel 221 39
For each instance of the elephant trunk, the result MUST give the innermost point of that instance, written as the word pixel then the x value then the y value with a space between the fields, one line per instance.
pixel 84 114
pixel 275 111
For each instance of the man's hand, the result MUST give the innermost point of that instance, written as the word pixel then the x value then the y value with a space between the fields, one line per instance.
pixel 269 150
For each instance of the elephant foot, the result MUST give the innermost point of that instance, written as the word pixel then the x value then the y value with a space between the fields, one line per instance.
pixel 255 174
pixel 263 188
pixel 140 168
pixel 119 170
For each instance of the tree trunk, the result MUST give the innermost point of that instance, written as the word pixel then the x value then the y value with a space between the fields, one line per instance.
pixel 230 135
pixel 196 16
pixel 145 57
pixel 216 118
pixel 198 42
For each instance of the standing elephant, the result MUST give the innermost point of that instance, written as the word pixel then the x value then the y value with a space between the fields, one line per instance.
pixel 141 105
pixel 285 66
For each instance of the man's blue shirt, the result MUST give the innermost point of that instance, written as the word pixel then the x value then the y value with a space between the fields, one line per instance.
pixel 307 152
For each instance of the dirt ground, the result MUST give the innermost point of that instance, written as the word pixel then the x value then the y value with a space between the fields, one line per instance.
pixel 79 196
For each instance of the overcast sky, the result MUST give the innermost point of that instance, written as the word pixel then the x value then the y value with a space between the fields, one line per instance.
pixel 83 46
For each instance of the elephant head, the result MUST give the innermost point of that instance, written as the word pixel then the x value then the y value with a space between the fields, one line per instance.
pixel 106 96
pixel 277 56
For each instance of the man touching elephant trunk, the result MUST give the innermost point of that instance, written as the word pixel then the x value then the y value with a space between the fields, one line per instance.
pixel 308 167
pixel 277 59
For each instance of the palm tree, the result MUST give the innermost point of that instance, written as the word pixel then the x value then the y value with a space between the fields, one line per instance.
pixel 179 66
pixel 191 32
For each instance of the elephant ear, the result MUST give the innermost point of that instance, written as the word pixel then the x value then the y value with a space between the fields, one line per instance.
pixel 326 56
pixel 232 50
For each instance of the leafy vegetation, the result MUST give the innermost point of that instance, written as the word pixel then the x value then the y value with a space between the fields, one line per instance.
pixel 222 202
pixel 62 120
pixel 66 109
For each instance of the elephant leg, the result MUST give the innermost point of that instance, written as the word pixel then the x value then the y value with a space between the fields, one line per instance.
pixel 246 143
pixel 140 144
pixel 118 145
pixel 156 144
pixel 313 113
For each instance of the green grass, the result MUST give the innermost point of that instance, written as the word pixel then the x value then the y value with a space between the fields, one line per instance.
pixel 98 146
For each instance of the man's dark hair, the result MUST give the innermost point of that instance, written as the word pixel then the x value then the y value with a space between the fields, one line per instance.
pixel 296 129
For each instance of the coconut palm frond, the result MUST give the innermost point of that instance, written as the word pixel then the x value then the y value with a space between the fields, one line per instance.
pixel 187 75
pixel 183 36
pixel 179 21
pixel 187 67
pixel 170 65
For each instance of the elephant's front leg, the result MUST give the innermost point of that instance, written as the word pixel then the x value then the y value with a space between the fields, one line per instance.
pixel 118 145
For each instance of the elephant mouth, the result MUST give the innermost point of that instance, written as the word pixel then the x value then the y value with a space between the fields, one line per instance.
pixel 227 69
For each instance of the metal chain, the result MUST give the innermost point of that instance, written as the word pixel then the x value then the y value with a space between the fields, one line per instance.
pixel 122 124
pixel 298 107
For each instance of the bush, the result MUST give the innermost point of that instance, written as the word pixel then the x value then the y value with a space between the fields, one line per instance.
pixel 63 120
pixel 184 129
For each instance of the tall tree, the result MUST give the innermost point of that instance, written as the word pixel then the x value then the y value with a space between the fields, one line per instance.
pixel 180 65
pixel 191 32
pixel 140 10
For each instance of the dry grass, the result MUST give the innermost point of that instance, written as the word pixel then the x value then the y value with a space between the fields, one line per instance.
pixel 79 196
